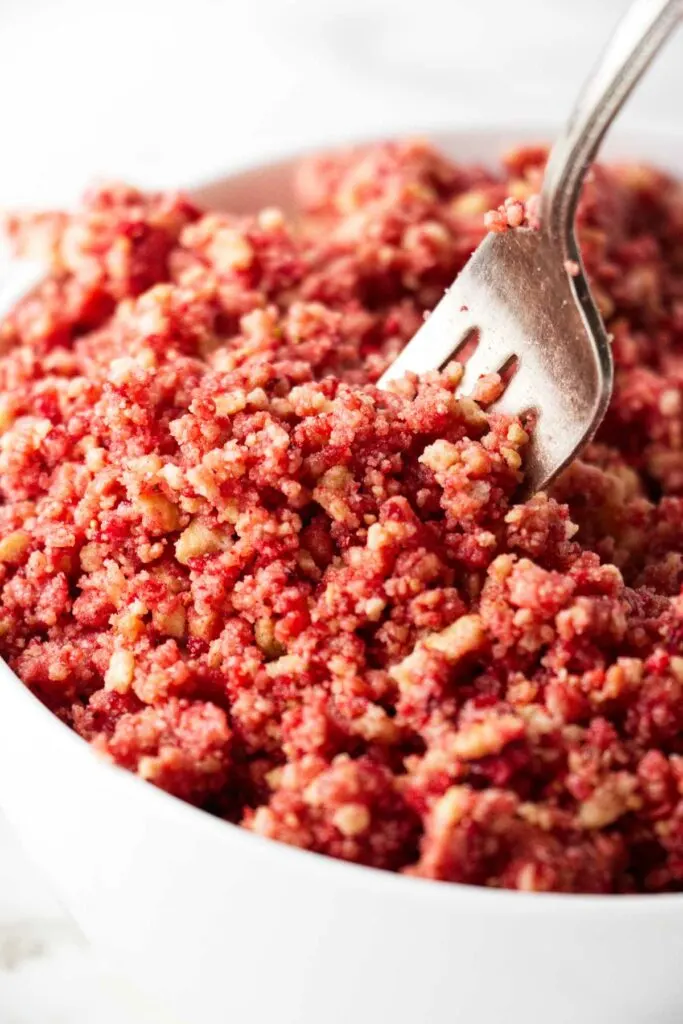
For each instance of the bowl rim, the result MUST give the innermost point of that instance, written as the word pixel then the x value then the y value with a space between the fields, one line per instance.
pixel 489 133
pixel 278 855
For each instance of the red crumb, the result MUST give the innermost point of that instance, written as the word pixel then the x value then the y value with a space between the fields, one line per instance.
pixel 513 213
pixel 316 609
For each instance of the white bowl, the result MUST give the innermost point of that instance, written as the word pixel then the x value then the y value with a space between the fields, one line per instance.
pixel 221 925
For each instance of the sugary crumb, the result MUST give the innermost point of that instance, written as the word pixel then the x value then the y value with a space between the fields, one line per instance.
pixel 316 609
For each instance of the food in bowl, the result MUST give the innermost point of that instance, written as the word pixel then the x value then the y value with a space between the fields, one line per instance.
pixel 316 609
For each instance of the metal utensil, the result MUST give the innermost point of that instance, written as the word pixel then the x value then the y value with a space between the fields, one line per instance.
pixel 524 291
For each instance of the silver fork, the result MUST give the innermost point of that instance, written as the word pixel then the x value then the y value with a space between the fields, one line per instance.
pixel 524 292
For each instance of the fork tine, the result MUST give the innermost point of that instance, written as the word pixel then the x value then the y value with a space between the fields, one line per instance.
pixel 437 340
pixel 519 396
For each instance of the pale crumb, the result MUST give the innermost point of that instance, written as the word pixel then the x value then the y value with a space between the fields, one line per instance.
pixel 13 546
pixel 230 403
pixel 171 623
pixel 257 399
pixel 274 777
pixel 122 369
pixel 440 456
pixel 95 459
pixel 676 665
pixel 119 675
pixel 352 819
pixel 307 563
pixel 271 219
pixel 465 635
pixel 148 768
pixel 670 402
pixel 231 250
pixel 375 726
pixel 197 540
pixel 173 476
pixel 527 878
pixel 329 495
pixel 159 515
pixel 470 204
pixel 91 557
pixel 288 664
pixel 609 801
pixel 471 413
pixel 481 739
pixel 374 607
pixel 264 634
pixel 513 458
pixel 6 415
pixel 129 624
pixel 451 808
pixel 517 435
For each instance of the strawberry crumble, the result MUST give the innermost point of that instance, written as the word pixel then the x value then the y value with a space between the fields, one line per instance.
pixel 317 609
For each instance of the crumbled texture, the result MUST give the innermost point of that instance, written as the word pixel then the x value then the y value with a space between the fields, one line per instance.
pixel 238 569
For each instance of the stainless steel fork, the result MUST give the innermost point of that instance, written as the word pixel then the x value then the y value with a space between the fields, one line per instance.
pixel 524 291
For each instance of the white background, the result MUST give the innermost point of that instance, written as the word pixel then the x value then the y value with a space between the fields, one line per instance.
pixel 162 90
pixel 89 87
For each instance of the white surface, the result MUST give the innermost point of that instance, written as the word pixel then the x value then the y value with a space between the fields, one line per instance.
pixel 164 89
pixel 97 88
pixel 48 973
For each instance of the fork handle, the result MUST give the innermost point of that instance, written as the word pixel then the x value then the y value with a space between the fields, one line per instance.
pixel 636 40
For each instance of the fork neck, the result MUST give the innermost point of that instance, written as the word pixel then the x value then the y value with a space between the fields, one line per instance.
pixel 637 38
